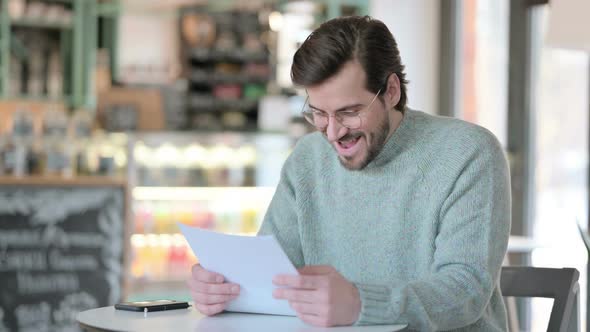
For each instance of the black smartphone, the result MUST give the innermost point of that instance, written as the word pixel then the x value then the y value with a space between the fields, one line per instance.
pixel 152 305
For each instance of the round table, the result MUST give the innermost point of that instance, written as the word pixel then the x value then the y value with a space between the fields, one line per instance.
pixel 179 320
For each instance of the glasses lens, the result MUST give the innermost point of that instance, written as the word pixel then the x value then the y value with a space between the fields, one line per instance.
pixel 319 120
pixel 350 121
pixel 308 115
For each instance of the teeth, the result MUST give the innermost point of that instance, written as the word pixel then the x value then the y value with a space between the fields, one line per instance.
pixel 348 140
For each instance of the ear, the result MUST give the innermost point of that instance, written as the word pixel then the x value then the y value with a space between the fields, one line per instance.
pixel 393 92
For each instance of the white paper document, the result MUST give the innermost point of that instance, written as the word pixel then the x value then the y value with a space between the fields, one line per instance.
pixel 249 261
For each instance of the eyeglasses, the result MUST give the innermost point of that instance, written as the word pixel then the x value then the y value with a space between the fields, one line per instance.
pixel 348 118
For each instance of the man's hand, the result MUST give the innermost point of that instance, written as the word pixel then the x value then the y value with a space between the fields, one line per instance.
pixel 320 295
pixel 209 291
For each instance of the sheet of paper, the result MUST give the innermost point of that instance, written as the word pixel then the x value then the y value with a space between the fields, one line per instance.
pixel 250 261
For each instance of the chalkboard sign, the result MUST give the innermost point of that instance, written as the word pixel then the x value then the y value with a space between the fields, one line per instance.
pixel 61 252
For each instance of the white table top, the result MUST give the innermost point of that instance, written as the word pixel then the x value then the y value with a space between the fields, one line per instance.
pixel 110 319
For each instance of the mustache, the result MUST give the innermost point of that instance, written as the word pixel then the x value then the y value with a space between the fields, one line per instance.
pixel 350 136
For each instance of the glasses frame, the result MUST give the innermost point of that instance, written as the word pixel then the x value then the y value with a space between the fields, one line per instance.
pixel 336 115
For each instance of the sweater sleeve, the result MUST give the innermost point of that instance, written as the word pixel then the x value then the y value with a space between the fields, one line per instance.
pixel 281 217
pixel 473 230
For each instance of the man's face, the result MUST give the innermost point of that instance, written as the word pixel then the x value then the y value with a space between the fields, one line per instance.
pixel 346 91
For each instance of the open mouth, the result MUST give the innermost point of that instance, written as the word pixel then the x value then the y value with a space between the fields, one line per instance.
pixel 349 142
pixel 348 145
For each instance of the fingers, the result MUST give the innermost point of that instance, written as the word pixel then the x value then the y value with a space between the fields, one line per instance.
pixel 210 293
pixel 301 281
pixel 213 288
pixel 210 310
pixel 211 304
pixel 315 320
pixel 200 274
pixel 310 308
pixel 296 295
pixel 207 282
pixel 209 299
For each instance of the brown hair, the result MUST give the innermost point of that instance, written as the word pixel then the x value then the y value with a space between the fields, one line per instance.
pixel 342 39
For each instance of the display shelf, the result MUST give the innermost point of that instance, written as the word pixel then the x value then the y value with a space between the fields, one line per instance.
pixel 204 102
pixel 243 195
pixel 31 31
pixel 238 215
pixel 162 260
pixel 329 9
pixel 237 173
pixel 160 257
pixel 141 290
pixel 59 180
pixel 38 98
pixel 181 138
pixel 238 55
pixel 205 77
pixel 208 160
pixel 40 23
pixel 227 64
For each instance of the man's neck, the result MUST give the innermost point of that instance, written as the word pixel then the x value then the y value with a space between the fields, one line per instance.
pixel 395 119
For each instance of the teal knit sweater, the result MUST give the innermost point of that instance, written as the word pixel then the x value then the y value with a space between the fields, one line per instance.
pixel 421 231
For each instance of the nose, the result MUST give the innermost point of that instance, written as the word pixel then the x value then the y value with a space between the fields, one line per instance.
pixel 335 130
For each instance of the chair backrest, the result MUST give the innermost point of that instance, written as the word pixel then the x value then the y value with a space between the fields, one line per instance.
pixel 585 237
pixel 559 284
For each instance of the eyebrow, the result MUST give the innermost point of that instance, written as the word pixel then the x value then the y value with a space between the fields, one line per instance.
pixel 344 108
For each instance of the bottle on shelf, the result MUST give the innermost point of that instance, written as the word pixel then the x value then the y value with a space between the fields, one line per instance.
pixel 3 144
pixel 159 257
pixel 247 155
pixel 161 252
pixel 56 150
pixel 16 9
pixel 80 130
pixel 54 74
pixel 18 156
pixel 36 61
pixel 162 218
pixel 249 221
pixel 16 77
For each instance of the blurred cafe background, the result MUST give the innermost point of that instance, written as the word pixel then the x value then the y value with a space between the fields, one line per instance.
pixel 121 118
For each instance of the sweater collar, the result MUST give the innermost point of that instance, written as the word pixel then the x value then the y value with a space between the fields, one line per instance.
pixel 396 143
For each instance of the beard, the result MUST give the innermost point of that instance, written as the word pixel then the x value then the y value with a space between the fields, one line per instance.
pixel 378 139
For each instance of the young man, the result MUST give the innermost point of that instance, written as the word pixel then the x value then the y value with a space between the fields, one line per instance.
pixel 392 215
